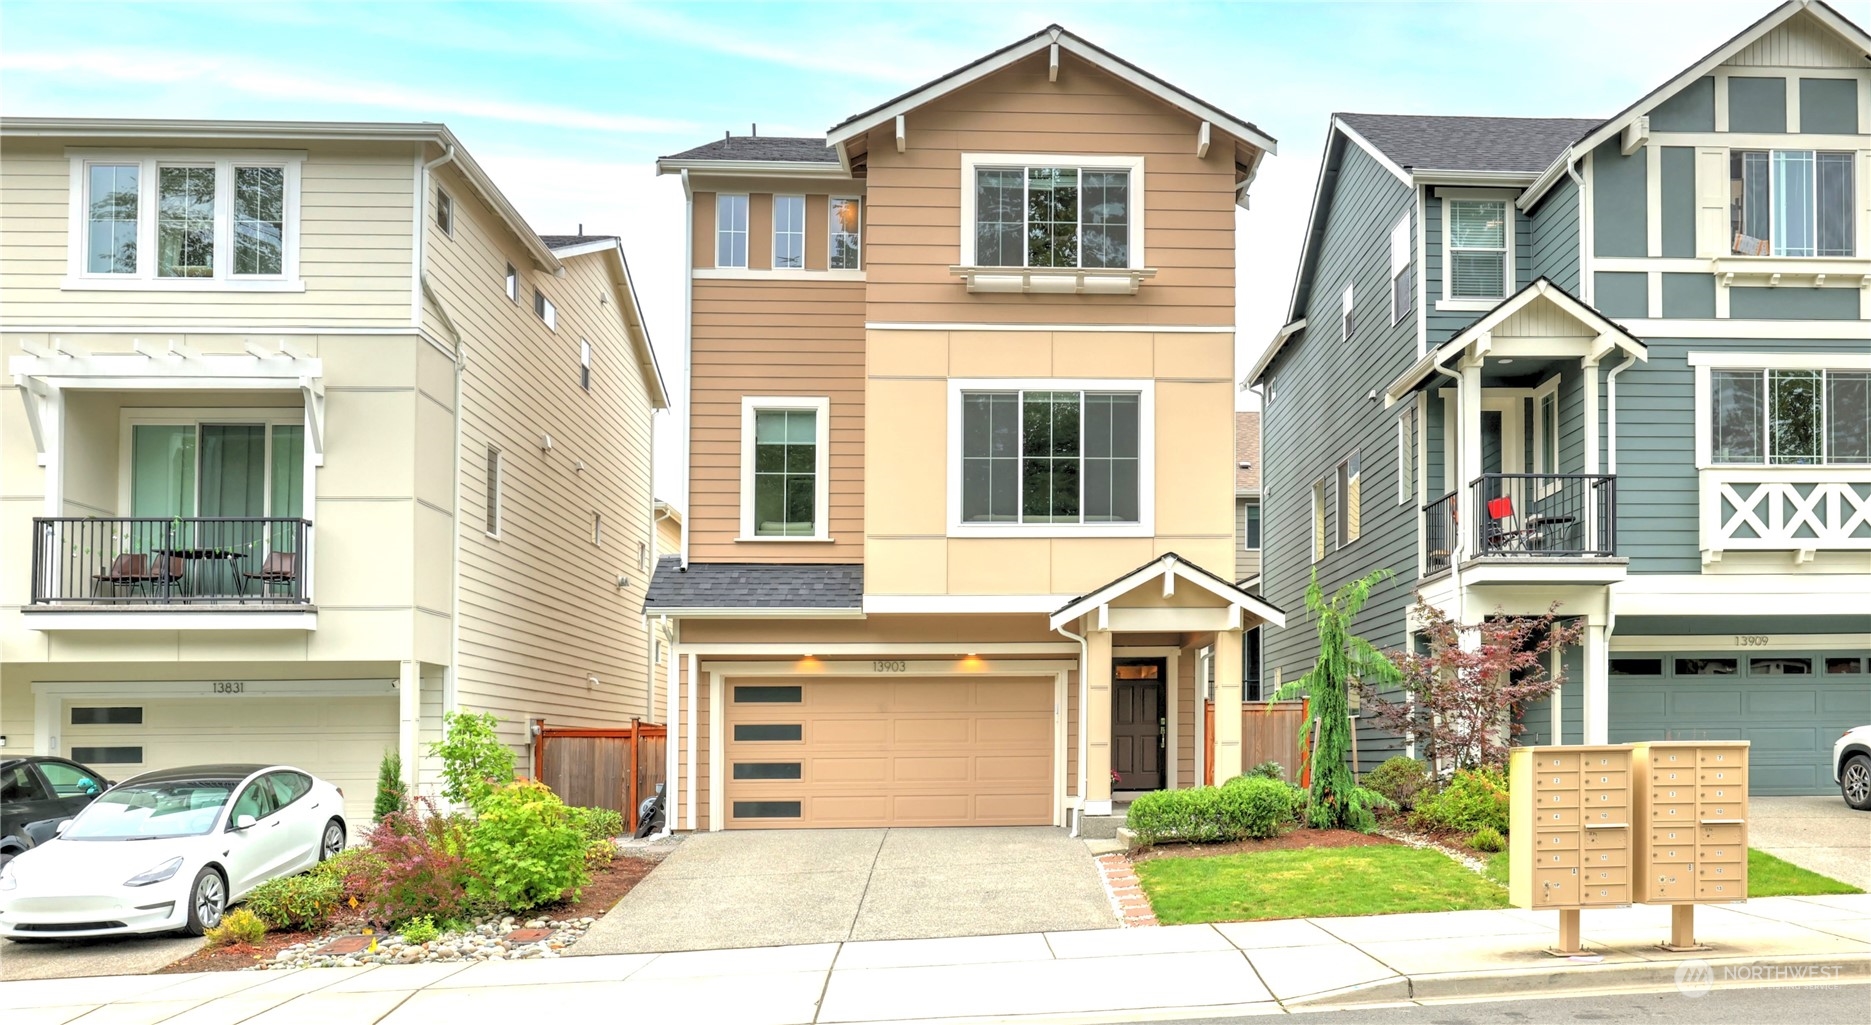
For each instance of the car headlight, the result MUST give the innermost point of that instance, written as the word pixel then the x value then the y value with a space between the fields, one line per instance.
pixel 154 875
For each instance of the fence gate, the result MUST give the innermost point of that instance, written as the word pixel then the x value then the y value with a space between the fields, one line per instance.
pixel 602 768
pixel 1269 732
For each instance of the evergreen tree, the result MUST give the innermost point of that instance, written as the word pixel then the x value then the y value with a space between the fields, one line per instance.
pixel 391 794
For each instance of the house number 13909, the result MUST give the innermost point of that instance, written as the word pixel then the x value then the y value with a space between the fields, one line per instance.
pixel 1750 641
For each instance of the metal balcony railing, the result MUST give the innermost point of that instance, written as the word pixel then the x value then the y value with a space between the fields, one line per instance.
pixel 1439 533
pixel 161 561
pixel 1544 515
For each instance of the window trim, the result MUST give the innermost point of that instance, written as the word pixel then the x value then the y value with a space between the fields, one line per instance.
pixel 1320 528
pixel 747 202
pixel 971 162
pixel 444 212
pixel 78 278
pixel 832 230
pixel 1347 312
pixel 821 480
pixel 1854 202
pixel 131 417
pixel 1343 476
pixel 513 284
pixel 584 363
pixel 545 309
pixel 493 510
pixel 1510 278
pixel 1146 457
pixel 1705 362
pixel 773 257
pixel 1408 466
pixel 1400 245
pixel 1547 389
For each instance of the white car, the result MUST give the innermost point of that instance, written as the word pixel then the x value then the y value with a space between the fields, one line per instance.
pixel 171 850
pixel 1851 767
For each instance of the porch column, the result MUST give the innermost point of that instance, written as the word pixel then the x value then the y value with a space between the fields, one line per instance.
pixel 409 720
pixel 1227 704
pixel 1597 712
pixel 1468 460
pixel 1097 716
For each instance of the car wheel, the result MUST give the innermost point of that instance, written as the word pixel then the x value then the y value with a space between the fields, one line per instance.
pixel 331 842
pixel 1855 782
pixel 207 901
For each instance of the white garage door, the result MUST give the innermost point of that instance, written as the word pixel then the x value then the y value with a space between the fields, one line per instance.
pixel 339 739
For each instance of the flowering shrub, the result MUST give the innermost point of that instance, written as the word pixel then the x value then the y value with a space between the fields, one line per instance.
pixel 524 849
pixel 420 867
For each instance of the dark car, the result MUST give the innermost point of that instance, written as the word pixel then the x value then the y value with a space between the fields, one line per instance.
pixel 36 794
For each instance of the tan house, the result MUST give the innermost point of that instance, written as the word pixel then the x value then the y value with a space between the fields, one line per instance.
pixel 310 439
pixel 960 436
pixel 668 529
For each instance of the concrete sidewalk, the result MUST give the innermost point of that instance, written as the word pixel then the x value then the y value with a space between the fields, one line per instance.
pixel 1108 974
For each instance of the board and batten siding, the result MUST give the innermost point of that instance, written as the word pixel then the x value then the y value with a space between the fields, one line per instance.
pixel 1553 237
pixel 542 611
pixel 1318 414
pixel 778 337
pixel 356 204
pixel 915 199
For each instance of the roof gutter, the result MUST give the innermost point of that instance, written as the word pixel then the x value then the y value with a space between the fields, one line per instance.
pixel 1272 351
pixel 755 168
pixel 1473 179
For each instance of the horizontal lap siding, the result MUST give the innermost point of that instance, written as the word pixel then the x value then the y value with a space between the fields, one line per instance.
pixel 795 338
pixel 1555 237
pixel 356 207
pixel 541 611
pixel 913 217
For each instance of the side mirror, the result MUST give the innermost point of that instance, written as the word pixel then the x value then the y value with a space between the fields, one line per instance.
pixel 59 830
pixel 243 821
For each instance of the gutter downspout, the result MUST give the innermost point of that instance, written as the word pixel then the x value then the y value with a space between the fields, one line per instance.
pixel 672 686
pixel 1084 697
pixel 1611 467
pixel 688 348
pixel 1456 552
pixel 1585 266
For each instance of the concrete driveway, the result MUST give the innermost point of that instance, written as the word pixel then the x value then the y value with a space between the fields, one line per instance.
pixel 76 959
pixel 763 888
pixel 1818 833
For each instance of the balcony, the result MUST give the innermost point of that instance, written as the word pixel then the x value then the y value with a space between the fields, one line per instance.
pixel 1535 526
pixel 1796 510
pixel 209 568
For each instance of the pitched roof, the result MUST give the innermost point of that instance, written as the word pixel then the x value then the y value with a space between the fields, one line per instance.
pixel 1417 142
pixel 568 241
pixel 787 149
pixel 1247 450
pixel 748 585
pixel 1156 569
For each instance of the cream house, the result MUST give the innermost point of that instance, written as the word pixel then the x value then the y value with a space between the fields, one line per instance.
pixel 960 438
pixel 310 438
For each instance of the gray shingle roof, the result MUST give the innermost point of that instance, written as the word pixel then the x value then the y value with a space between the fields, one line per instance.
pixel 567 241
pixel 1418 142
pixel 762 147
pixel 747 585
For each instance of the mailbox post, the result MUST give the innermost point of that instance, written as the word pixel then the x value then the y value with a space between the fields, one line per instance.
pixel 1569 832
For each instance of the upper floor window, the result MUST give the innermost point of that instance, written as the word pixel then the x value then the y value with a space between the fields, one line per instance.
pixel 730 230
pixel 1406 457
pixel 847 230
pixel 1790 203
pixel 213 222
pixel 444 213
pixel 491 514
pixel 544 309
pixel 1348 320
pixel 1478 234
pixel 1350 473
pixel 1051 457
pixel 1790 417
pixel 1250 526
pixel 1318 520
pixel 784 463
pixel 1047 212
pixel 584 364
pixel 789 232
pixel 1400 290
pixel 513 283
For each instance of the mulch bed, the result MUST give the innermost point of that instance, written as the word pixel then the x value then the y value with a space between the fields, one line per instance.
pixel 1298 839
pixel 606 887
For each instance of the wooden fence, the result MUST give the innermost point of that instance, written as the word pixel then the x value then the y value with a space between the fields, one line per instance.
pixel 602 768
pixel 1269 732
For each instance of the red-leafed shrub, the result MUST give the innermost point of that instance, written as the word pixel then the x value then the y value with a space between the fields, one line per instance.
pixel 419 867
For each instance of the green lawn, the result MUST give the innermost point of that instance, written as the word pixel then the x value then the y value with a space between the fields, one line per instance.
pixel 1377 880
pixel 1769 876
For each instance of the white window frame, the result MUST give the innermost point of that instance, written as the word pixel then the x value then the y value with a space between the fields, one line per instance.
pixel 545 310
pixel 1260 513
pixel 1347 307
pixel 1320 527
pixel 1342 477
pixel 597 530
pixel 971 162
pixel 1704 362
pixel 1548 389
pixel 444 211
pixel 821 479
pixel 747 203
pixel 584 363
pixel 270 417
pixel 78 278
pixel 513 283
pixel 773 258
pixel 1399 265
pixel 832 229
pixel 1510 276
pixel 493 509
pixel 1408 467
pixel 1854 219
pixel 1146 457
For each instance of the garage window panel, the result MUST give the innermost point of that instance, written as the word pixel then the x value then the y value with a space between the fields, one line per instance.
pixel 768 731
pixel 768 695
pixel 108 755
pixel 1636 667
pixel 116 715
pixel 1706 666
pixel 1844 666
pixel 767 770
pixel 1780 666
pixel 766 809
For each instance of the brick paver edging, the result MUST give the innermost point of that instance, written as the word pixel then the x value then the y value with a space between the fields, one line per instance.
pixel 1126 891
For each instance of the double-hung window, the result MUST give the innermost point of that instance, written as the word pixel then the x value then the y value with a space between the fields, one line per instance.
pixel 789 232
pixel 1048 455
pixel 1347 312
pixel 1789 417
pixel 185 222
pixel 1350 499
pixel 1479 232
pixel 784 462
pixel 1250 525
pixel 730 230
pixel 1318 520
pixel 545 310
pixel 1790 203
pixel 847 233
pixel 1047 212
pixel 1400 286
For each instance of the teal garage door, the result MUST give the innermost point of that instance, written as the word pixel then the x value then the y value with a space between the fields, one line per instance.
pixel 1790 706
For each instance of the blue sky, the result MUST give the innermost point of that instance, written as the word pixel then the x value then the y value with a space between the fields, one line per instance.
pixel 567 104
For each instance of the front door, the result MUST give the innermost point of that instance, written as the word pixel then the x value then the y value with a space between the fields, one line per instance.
pixel 1139 728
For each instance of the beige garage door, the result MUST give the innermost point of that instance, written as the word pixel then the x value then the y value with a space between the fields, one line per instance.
pixel 338 739
pixel 862 751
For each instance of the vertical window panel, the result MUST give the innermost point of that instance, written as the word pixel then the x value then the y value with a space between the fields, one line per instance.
pixel 1737 415
pixel 1052 217
pixel 1793 203
pixel 111 219
pixel 990 458
pixel 1000 217
pixel 847 228
pixel 789 232
pixel 1477 233
pixel 1793 416
pixel 1833 204
pixel 785 472
pixel 259 220
pixel 1848 416
pixel 730 230
pixel 1106 210
pixel 185 222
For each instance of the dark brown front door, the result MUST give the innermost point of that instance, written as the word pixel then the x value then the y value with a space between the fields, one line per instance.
pixel 1137 723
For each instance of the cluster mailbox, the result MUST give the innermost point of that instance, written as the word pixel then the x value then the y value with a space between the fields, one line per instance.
pixel 1603 826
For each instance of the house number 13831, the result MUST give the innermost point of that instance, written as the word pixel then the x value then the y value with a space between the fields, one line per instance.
pixel 229 686
pixel 1750 641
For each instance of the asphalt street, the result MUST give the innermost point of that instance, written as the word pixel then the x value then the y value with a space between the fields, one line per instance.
pixel 1834 1004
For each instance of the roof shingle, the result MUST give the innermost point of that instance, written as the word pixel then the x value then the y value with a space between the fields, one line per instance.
pixel 747 585
pixel 568 241
pixel 1247 450
pixel 1518 144
pixel 762 147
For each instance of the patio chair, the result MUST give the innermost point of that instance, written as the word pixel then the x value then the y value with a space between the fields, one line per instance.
pixel 1500 532
pixel 279 568
pixel 136 570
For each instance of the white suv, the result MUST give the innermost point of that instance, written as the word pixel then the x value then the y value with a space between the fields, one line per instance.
pixel 1851 767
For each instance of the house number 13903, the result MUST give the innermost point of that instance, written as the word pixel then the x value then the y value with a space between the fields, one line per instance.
pixel 1750 641
pixel 890 666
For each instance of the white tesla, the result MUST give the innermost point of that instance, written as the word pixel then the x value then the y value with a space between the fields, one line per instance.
pixel 169 850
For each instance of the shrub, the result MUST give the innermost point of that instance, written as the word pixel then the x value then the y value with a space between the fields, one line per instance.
pixel 1472 799
pixel 474 761
pixel 599 853
pixel 418 866
pixel 1399 779
pixel 1269 770
pixel 1488 839
pixel 351 869
pixel 239 926
pixel 598 823
pixel 303 902
pixel 420 929
pixel 1193 815
pixel 1258 807
pixel 524 849
pixel 391 795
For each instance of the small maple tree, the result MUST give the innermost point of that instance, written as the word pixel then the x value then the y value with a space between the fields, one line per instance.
pixel 1462 704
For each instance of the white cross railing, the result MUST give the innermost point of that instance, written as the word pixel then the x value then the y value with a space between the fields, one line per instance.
pixel 1794 509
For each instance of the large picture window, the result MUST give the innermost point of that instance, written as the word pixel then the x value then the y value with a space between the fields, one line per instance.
pixel 185 222
pixel 1029 215
pixel 1789 417
pixel 1051 456
pixel 1478 236
pixel 1790 203
pixel 783 472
